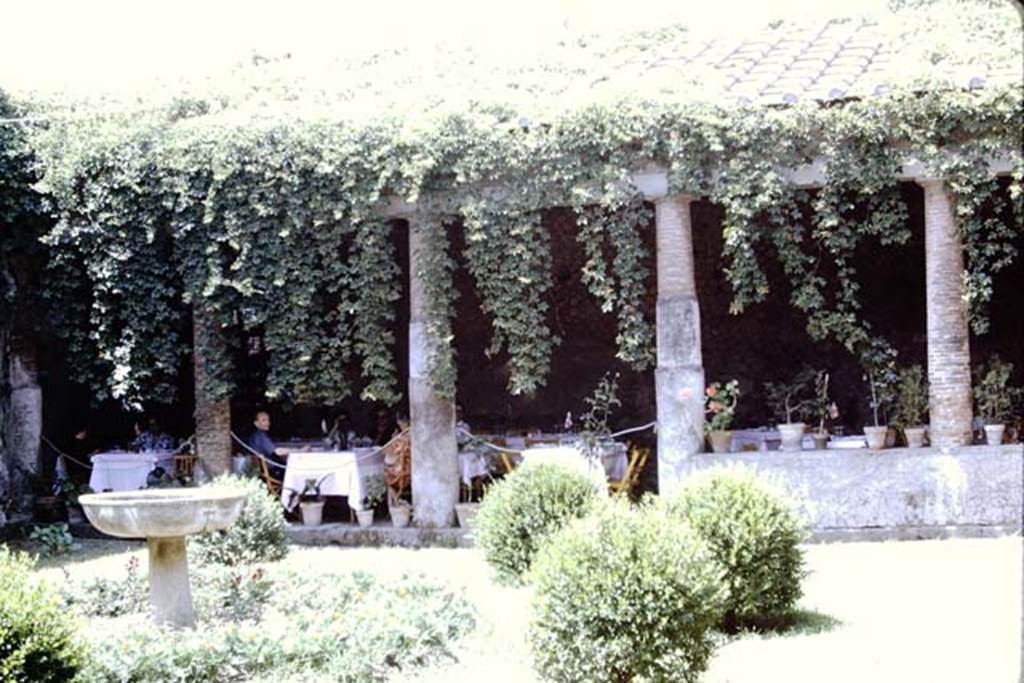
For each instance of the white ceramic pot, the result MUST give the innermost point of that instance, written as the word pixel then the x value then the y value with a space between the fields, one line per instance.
pixel 994 434
pixel 915 436
pixel 312 513
pixel 792 436
pixel 876 437
pixel 364 517
pixel 721 441
pixel 820 440
pixel 466 514
pixel 401 515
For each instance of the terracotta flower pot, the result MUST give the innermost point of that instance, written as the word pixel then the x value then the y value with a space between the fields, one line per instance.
pixel 721 441
pixel 820 440
pixel 876 437
pixel 792 436
pixel 364 517
pixel 994 434
pixel 915 436
pixel 312 513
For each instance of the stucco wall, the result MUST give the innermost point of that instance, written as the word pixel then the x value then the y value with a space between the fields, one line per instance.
pixel 840 489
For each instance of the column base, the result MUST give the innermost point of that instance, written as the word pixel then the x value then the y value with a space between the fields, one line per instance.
pixel 680 393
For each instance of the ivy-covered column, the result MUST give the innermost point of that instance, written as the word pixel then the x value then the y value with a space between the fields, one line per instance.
pixel 435 470
pixel 949 355
pixel 212 417
pixel 680 374
pixel 24 421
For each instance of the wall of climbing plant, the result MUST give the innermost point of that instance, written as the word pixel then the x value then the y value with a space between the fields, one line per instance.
pixel 268 219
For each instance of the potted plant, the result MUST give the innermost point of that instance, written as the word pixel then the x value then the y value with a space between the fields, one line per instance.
pixel 912 405
pixel 822 409
pixel 994 398
pixel 311 502
pixel 374 491
pixel 720 406
pixel 879 362
pixel 400 510
pixel 790 400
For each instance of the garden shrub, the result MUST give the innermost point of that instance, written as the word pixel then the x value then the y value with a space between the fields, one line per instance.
pixel 625 594
pixel 231 593
pixel 755 534
pixel 338 627
pixel 104 596
pixel 257 536
pixel 37 637
pixel 522 509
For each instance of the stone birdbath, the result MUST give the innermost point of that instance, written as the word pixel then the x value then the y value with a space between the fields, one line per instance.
pixel 164 517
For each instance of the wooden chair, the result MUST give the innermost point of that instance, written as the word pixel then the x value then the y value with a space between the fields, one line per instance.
pixel 273 485
pixel 185 465
pixel 637 459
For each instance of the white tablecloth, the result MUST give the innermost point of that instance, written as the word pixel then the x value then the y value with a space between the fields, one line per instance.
pixel 342 472
pixel 125 470
pixel 613 460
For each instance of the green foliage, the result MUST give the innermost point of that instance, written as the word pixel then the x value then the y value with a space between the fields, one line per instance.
pixel 232 593
pixel 595 420
pixel 625 595
pixel 341 628
pixel 792 399
pixel 879 362
pixel 37 637
pixel 257 536
pixel 55 539
pixel 755 534
pixel 994 398
pixel 911 398
pixel 256 203
pixel 104 596
pixel 523 509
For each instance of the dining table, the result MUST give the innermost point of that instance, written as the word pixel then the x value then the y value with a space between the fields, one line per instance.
pixel 339 473
pixel 127 470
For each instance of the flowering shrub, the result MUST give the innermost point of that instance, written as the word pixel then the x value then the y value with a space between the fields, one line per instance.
pixel 109 597
pixel 720 405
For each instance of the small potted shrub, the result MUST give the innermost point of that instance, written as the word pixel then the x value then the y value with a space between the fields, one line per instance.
pixel 822 409
pixel 881 377
pixel 912 405
pixel 311 502
pixel 374 491
pixel 720 407
pixel 994 398
pixel 791 400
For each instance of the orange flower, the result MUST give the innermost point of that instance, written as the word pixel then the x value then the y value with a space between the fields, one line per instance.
pixel 712 391
pixel 716 406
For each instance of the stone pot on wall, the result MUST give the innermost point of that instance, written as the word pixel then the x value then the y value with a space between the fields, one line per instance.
pixel 994 434
pixel 792 436
pixel 876 437
pixel 915 436
pixel 721 441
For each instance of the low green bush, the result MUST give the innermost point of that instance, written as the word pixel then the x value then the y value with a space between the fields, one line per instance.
pixel 340 627
pixel 522 509
pixel 37 636
pixel 625 594
pixel 53 539
pixel 257 536
pixel 231 593
pixel 103 596
pixel 755 534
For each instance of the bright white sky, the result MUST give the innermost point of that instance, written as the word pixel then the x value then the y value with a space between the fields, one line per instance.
pixel 123 44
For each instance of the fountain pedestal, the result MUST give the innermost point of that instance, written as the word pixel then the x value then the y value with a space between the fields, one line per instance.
pixel 164 517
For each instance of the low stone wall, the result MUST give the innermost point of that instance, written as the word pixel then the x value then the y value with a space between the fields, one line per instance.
pixel 900 489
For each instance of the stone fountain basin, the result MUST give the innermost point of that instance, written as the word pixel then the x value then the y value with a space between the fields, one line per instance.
pixel 162 513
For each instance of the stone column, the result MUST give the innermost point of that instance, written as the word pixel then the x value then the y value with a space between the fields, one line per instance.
pixel 435 470
pixel 949 356
pixel 680 374
pixel 24 423
pixel 212 418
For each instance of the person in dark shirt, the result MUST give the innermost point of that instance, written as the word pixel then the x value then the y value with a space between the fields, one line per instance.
pixel 261 442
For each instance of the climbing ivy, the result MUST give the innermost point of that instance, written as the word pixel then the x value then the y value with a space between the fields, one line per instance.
pixel 269 219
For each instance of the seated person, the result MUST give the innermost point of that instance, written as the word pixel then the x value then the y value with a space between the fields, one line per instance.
pixel 261 442
pixel 153 439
